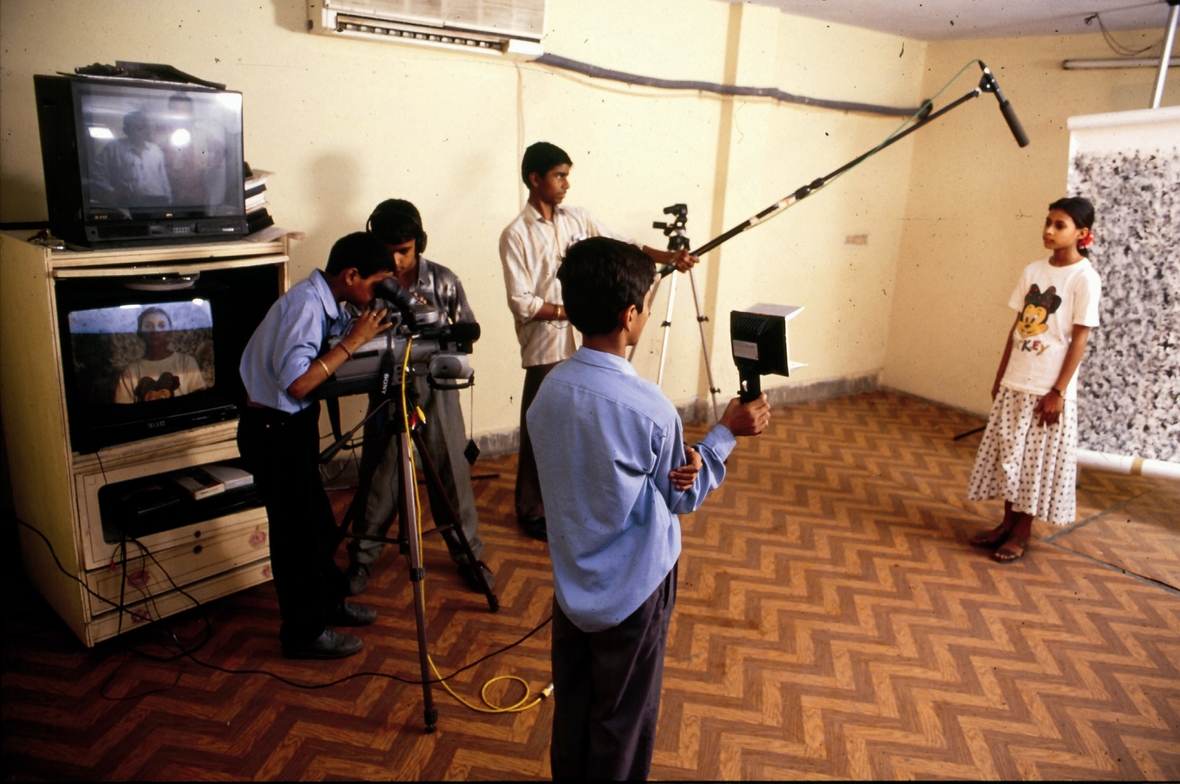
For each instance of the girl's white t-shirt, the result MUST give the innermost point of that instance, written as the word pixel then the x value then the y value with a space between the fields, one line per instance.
pixel 1050 301
pixel 185 371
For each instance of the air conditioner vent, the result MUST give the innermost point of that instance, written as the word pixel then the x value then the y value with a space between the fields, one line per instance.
pixel 497 27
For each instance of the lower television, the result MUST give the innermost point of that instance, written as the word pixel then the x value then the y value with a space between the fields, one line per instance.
pixel 146 355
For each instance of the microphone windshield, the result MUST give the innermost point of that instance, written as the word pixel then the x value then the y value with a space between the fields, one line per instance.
pixel 990 85
pixel 1013 123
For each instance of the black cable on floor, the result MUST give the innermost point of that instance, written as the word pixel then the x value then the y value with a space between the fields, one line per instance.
pixel 185 653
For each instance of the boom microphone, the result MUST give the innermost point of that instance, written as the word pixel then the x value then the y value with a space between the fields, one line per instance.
pixel 990 85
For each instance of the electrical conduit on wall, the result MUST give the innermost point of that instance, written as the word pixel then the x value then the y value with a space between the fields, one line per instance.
pixel 557 61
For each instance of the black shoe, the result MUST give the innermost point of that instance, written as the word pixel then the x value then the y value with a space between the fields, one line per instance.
pixel 349 614
pixel 534 527
pixel 358 578
pixel 329 645
pixel 472 580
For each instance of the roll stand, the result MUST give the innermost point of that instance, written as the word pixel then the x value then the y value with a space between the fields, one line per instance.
pixel 674 231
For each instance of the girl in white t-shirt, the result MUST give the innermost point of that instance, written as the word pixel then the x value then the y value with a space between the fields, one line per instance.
pixel 1028 454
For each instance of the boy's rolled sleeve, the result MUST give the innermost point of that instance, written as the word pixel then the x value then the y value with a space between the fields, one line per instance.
pixel 301 349
pixel 519 280
pixel 714 449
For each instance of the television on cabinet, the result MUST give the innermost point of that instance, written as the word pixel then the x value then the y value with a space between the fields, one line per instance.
pixel 131 162
pixel 148 355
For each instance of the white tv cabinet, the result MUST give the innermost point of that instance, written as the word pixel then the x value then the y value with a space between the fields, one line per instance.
pixel 55 489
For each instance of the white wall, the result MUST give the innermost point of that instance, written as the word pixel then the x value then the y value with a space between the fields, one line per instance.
pixel 346 123
pixel 951 212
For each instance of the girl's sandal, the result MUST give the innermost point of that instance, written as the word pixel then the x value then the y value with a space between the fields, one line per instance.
pixel 1011 550
pixel 993 538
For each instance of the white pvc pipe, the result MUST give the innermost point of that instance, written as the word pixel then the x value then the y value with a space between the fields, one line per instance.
pixel 1138 466
pixel 1165 56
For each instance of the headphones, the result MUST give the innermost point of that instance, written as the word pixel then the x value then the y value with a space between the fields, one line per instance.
pixel 398 212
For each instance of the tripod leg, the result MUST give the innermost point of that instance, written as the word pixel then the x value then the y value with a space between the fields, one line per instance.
pixel 667 326
pixel 452 519
pixel 701 319
pixel 410 533
pixel 655 292
pixel 370 457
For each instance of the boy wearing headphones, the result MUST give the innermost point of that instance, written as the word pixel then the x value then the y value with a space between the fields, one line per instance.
pixel 397 224
pixel 279 439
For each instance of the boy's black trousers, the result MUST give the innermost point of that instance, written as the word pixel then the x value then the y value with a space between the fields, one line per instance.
pixel 282 452
pixel 606 691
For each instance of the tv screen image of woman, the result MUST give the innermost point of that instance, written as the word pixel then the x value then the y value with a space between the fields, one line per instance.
pixel 143 353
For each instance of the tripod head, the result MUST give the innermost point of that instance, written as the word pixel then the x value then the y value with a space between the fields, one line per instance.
pixel 674 231
pixel 439 355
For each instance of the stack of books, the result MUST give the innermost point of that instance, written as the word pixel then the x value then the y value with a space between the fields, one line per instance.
pixel 257 216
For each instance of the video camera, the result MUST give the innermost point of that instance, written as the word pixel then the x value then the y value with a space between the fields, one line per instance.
pixel 439 350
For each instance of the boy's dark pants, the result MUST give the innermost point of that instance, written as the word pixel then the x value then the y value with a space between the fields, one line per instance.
pixel 606 691
pixel 282 452
pixel 529 505
pixel 445 442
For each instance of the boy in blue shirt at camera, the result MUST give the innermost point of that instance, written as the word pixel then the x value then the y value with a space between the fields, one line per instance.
pixel 614 474
pixel 279 439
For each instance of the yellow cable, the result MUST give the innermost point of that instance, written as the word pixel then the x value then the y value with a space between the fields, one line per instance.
pixel 518 706
pixel 405 422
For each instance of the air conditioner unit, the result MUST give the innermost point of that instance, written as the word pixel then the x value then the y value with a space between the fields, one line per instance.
pixel 512 28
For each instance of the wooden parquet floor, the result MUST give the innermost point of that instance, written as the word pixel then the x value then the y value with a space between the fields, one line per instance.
pixel 832 622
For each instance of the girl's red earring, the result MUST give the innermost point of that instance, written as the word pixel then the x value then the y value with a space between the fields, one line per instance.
pixel 1084 242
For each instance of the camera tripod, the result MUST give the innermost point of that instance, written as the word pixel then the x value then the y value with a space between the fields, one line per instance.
pixel 674 231
pixel 409 532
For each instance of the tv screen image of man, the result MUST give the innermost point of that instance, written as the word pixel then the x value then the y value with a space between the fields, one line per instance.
pixel 130 171
pixel 614 472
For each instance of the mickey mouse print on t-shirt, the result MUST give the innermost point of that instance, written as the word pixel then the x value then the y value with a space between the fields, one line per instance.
pixel 1034 318
pixel 157 389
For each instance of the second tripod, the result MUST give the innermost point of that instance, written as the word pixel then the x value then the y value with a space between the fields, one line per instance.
pixel 677 241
